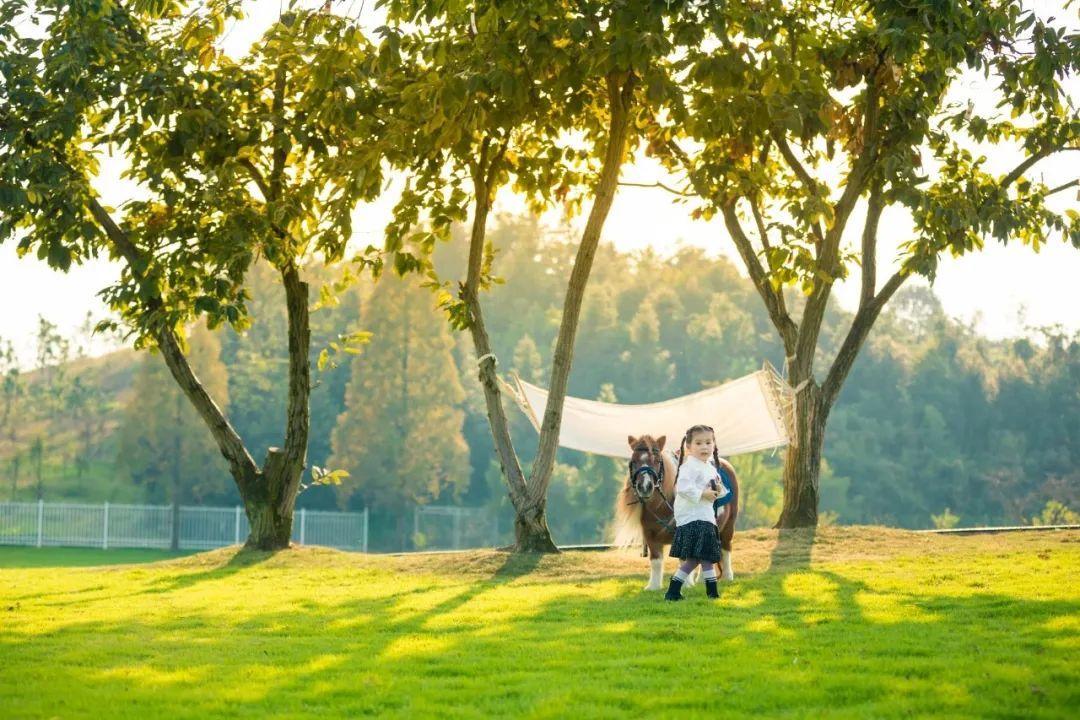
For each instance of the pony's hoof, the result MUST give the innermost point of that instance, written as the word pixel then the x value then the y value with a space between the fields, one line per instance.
pixel 728 576
pixel 652 586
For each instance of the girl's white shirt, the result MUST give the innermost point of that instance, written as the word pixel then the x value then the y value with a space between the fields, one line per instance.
pixel 693 480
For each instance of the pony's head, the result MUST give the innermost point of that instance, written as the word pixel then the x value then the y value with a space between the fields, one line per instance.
pixel 646 465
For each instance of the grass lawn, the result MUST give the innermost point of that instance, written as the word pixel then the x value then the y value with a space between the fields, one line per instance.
pixel 844 623
pixel 27 557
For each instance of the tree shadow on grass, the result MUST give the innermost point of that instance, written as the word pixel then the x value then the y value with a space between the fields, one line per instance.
pixel 797 643
pixel 240 560
pixel 793 549
pixel 517 564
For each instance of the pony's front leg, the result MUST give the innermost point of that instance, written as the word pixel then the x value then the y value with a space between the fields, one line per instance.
pixel 656 566
pixel 725 565
pixel 727 534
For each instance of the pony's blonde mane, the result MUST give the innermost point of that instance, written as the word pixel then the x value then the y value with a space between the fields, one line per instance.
pixel 627 521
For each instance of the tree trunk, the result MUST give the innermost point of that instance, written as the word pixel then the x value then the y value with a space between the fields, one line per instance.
pixel 15 475
pixel 177 451
pixel 802 464
pixel 269 505
pixel 174 540
pixel 531 531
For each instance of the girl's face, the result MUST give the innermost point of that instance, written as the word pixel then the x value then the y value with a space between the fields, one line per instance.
pixel 701 445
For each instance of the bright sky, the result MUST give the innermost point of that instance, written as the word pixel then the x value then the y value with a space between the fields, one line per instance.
pixel 1001 290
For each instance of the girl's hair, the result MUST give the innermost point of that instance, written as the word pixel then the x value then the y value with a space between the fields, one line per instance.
pixel 690 436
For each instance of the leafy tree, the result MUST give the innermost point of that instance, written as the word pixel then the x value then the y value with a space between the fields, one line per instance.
pixel 493 94
pixel 37 457
pixel 781 97
pixel 527 361
pixel 648 368
pixel 85 402
pixel 400 435
pixel 266 157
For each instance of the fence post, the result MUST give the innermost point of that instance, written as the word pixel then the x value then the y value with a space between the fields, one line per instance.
pixel 40 519
pixel 303 524
pixel 364 541
pixel 105 537
pixel 236 531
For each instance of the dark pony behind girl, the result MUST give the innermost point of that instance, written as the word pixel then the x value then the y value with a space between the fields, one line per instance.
pixel 644 510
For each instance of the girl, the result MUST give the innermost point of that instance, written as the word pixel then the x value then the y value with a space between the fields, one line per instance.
pixel 698 486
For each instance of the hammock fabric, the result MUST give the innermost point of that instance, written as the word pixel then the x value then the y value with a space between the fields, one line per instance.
pixel 749 413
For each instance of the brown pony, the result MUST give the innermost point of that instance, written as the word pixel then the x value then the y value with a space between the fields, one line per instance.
pixel 644 508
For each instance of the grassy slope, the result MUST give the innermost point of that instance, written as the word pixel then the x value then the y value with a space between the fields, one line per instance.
pixel 854 623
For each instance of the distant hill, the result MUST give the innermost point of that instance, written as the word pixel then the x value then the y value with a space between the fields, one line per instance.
pixel 64 434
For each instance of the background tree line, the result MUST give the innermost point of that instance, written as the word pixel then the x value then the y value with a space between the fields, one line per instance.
pixel 938 425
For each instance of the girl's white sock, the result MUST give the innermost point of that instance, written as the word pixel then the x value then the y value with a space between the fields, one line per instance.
pixel 680 576
pixel 709 574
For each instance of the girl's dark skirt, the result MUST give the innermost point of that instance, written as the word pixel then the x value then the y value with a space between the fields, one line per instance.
pixel 696 540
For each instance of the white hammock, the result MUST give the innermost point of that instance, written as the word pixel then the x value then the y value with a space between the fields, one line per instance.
pixel 749 413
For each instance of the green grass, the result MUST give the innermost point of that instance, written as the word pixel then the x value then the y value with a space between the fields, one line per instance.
pixel 852 623
pixel 27 557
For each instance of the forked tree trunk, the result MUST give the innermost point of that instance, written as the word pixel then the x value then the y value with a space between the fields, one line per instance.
pixel 529 498
pixel 531 531
pixel 269 505
pixel 268 493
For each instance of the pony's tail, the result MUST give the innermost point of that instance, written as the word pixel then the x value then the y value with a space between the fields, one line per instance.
pixel 627 523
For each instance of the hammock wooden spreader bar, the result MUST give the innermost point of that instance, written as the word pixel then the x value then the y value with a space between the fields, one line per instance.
pixel 748 414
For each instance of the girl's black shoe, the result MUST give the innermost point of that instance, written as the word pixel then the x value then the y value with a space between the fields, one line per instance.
pixel 710 589
pixel 673 590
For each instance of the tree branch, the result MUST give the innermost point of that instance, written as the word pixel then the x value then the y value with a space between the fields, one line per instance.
pixel 257 176
pixel 1065 186
pixel 298 413
pixel 856 336
pixel 800 171
pixel 793 162
pixel 828 260
pixel 660 185
pixel 760 222
pixel 470 294
pixel 279 139
pixel 869 245
pixel 1026 165
pixel 620 87
pixel 242 466
pixel 774 299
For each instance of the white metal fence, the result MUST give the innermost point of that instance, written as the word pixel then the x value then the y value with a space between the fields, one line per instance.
pixel 151 526
pixel 450 527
